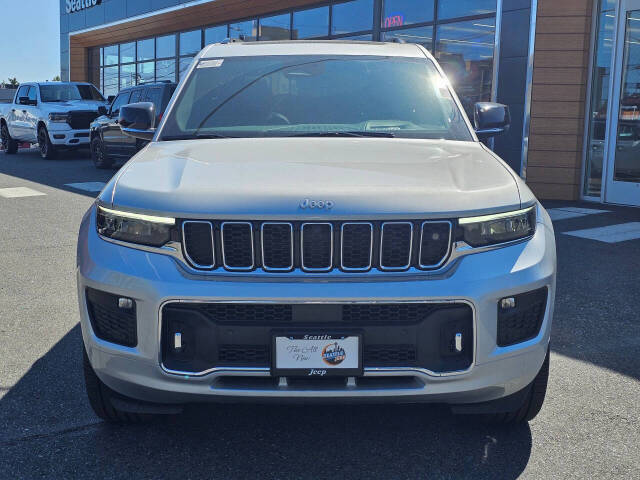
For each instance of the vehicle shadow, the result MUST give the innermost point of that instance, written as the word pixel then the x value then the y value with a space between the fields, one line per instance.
pixel 596 310
pixel 51 431
pixel 74 166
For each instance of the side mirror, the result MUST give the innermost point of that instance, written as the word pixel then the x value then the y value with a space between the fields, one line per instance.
pixel 24 101
pixel 102 110
pixel 491 119
pixel 110 99
pixel 138 120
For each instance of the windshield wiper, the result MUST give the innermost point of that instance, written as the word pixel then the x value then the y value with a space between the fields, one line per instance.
pixel 195 136
pixel 345 134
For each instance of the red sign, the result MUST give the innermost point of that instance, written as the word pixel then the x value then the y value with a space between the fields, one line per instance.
pixel 394 21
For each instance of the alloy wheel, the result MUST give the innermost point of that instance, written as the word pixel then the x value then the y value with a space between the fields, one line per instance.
pixel 42 142
pixel 4 137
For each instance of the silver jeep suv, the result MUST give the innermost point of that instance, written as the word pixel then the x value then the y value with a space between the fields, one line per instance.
pixel 316 221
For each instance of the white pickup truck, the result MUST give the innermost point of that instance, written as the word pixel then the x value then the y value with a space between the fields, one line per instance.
pixel 53 114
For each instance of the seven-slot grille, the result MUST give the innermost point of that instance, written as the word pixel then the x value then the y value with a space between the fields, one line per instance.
pixel 317 247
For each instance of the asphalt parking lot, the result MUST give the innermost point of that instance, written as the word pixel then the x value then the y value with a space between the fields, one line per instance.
pixel 588 428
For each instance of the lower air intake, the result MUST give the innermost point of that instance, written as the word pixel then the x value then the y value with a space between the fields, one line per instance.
pixel 522 322
pixel 110 322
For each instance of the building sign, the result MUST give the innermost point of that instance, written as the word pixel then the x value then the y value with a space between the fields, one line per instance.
pixel 77 5
pixel 394 21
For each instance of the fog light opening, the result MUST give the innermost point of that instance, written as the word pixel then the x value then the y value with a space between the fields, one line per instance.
pixel 508 303
pixel 125 303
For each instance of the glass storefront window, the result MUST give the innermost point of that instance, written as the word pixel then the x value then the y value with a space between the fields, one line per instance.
pixel 166 70
pixel 184 65
pixel 276 28
pixel 190 42
pixel 465 8
pixel 626 161
pixel 247 31
pixel 111 55
pixel 465 48
pixel 166 46
pixel 128 52
pixel 421 35
pixel 127 75
pixel 215 34
pixel 110 81
pixel 465 51
pixel 311 23
pixel 146 72
pixel 397 13
pixel 355 16
pixel 597 110
pixel 146 49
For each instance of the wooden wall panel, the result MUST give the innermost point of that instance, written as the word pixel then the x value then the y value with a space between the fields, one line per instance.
pixel 558 98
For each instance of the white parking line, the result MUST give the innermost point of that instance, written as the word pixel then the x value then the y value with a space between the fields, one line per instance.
pixel 87 186
pixel 564 213
pixel 610 234
pixel 17 192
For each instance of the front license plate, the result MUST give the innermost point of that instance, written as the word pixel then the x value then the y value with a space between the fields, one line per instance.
pixel 317 355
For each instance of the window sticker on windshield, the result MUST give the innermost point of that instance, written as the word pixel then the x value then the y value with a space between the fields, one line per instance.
pixel 210 63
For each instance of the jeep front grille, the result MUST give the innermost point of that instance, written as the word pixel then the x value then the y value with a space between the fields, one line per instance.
pixel 317 247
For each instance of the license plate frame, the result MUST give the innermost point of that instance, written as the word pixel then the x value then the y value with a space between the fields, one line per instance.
pixel 319 366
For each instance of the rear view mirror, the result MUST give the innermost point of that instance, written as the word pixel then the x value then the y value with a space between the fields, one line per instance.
pixel 138 120
pixel 491 119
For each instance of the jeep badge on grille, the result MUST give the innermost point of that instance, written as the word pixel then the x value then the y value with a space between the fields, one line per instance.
pixel 307 203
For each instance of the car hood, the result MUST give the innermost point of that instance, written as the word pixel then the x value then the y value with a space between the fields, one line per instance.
pixel 73 105
pixel 269 178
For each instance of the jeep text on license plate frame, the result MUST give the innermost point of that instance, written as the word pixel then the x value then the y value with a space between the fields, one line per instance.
pixel 316 354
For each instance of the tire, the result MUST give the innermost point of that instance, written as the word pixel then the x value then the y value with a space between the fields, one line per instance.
pixel 9 145
pixel 100 398
pixel 99 154
pixel 47 150
pixel 532 403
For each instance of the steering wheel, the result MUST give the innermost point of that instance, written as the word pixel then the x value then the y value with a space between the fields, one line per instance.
pixel 279 116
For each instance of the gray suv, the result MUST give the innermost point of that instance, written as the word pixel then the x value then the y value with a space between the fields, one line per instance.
pixel 316 221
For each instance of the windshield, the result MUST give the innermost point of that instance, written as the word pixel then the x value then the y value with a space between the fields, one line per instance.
pixel 316 95
pixel 66 92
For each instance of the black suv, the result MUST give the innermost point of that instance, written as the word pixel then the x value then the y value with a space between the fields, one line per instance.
pixel 108 143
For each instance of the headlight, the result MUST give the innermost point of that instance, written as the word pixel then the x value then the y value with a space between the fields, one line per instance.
pixel 499 228
pixel 134 227
pixel 58 117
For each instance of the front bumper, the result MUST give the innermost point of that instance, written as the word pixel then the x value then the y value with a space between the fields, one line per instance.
pixel 61 134
pixel 479 280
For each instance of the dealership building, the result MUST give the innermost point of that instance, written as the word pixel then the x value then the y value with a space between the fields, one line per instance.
pixel 556 63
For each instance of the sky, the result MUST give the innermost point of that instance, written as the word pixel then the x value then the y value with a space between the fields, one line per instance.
pixel 29 39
